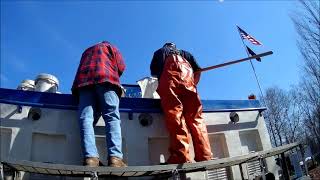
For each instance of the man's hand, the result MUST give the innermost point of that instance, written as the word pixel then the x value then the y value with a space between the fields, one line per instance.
pixel 196 76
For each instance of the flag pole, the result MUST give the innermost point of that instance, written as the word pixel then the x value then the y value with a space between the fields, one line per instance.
pixel 254 71
pixel 235 61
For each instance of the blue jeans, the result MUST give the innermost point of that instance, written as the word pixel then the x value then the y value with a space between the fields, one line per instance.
pixel 99 98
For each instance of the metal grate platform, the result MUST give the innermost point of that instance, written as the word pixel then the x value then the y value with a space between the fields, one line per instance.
pixel 134 171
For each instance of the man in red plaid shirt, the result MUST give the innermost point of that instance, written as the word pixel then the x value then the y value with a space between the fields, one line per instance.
pixel 97 87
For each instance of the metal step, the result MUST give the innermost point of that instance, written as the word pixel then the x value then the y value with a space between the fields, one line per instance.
pixel 135 171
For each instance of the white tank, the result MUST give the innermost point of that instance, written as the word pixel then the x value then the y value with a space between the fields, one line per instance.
pixel 27 85
pixel 148 86
pixel 46 83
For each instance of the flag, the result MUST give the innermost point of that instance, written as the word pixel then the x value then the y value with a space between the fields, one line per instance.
pixel 245 35
pixel 253 54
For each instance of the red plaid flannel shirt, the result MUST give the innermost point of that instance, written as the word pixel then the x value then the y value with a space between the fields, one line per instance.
pixel 99 63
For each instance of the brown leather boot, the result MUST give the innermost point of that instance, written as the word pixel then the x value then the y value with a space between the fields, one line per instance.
pixel 91 162
pixel 116 162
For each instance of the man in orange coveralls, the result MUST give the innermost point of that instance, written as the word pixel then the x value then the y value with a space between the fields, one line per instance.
pixel 176 72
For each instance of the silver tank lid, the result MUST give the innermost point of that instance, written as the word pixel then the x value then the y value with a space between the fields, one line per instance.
pixel 49 77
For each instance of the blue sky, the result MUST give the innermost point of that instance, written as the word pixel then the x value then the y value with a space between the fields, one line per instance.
pixel 49 37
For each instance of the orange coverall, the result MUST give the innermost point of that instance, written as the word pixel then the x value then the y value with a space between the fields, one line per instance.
pixel 183 110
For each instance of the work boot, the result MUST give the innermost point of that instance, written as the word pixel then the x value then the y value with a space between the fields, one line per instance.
pixel 91 162
pixel 116 162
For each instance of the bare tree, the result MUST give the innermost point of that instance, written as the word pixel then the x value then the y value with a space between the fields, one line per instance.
pixel 284 117
pixel 294 124
pixel 276 116
pixel 307 23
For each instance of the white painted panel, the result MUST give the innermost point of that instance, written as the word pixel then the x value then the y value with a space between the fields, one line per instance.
pixel 48 148
pixel 103 151
pixel 158 146
pixel 218 145
pixel 250 140
pixel 5 141
pixel 220 150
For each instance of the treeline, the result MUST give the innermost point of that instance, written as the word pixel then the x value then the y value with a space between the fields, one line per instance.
pixel 294 115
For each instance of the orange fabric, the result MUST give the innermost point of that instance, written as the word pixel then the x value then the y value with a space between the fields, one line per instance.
pixel 183 111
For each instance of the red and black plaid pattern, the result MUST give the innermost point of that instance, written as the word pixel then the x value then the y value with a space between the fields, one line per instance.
pixel 99 63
